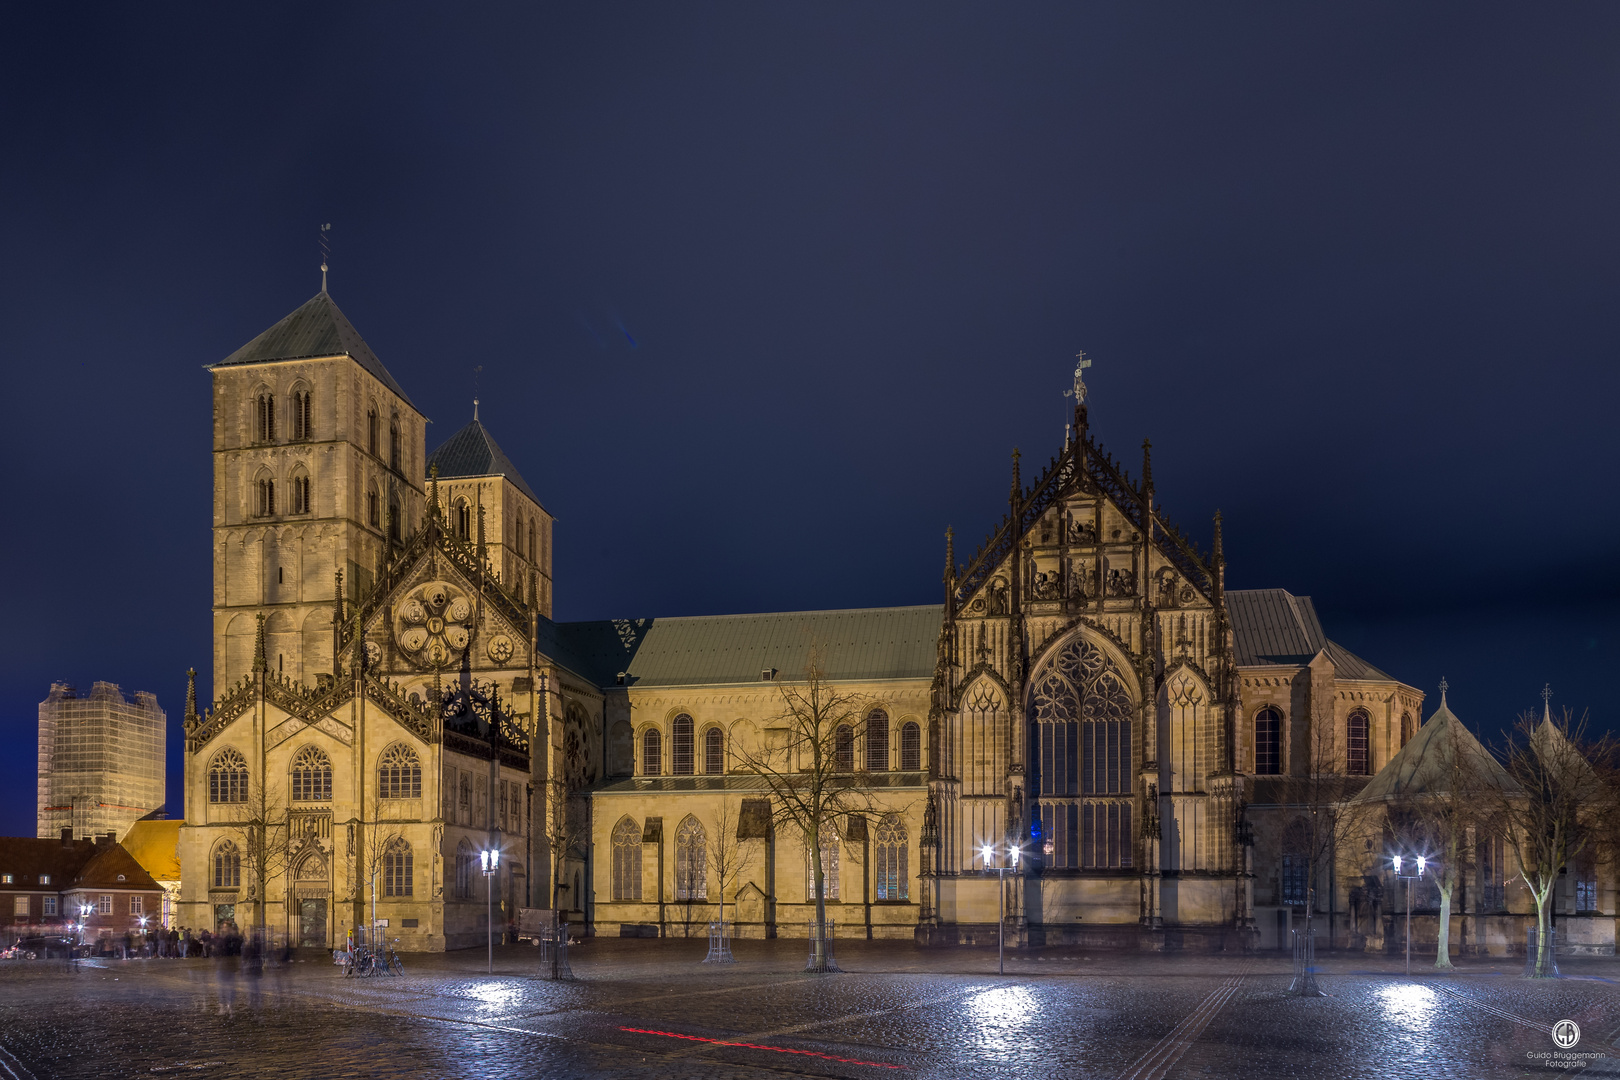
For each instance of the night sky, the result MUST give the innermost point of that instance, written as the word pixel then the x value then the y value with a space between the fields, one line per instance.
pixel 766 294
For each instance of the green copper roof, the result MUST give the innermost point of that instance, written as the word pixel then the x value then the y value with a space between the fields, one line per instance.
pixel 1442 758
pixel 472 451
pixel 1273 626
pixel 317 328
pixel 854 644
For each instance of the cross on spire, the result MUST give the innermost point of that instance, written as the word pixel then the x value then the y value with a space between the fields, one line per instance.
pixel 1443 687
pixel 1546 695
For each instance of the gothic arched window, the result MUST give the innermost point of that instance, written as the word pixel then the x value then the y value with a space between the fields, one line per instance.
pixel 877 741
pixel 652 752
pixel 626 874
pixel 1268 742
pixel 399 773
pixel 893 878
pixel 1082 709
pixel 680 746
pixel 227 777
pixel 311 775
pixel 267 497
pixel 691 861
pixel 531 543
pixel 227 866
pixel 397 876
pixel 714 751
pixel 300 493
pixel 465 861
pixel 373 508
pixel 1355 741
pixel 302 411
pixel 393 518
pixel 463 520
pixel 395 446
pixel 910 747
pixel 265 416
pixel 371 430
pixel 829 864
pixel 844 748
pixel 1406 728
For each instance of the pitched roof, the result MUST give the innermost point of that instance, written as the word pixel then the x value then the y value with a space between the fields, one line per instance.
pixel 1273 626
pixel 113 867
pixel 855 644
pixel 472 451
pixel 155 844
pixel 1441 758
pixel 317 328
pixel 26 857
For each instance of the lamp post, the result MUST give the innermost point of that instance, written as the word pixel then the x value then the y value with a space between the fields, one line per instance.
pixel 491 862
pixel 1422 865
pixel 988 853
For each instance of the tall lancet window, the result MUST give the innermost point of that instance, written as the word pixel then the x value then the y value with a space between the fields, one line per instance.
pixel 1083 709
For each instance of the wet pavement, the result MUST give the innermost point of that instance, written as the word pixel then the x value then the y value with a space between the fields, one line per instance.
pixel 643 1008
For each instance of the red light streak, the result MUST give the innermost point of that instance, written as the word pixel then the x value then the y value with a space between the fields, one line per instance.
pixel 760 1046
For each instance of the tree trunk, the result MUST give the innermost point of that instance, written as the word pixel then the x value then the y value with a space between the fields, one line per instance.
pixel 820 930
pixel 1442 955
pixel 1544 965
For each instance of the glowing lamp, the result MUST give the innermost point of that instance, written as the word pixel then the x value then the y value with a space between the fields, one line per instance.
pixel 1397 864
pixel 1422 862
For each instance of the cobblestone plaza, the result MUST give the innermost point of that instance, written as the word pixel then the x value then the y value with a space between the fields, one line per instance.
pixel 652 1009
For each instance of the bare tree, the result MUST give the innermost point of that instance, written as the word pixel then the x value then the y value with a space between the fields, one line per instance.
pixel 1326 817
pixel 729 857
pixel 806 762
pixel 565 827
pixel 266 843
pixel 1562 811
pixel 380 837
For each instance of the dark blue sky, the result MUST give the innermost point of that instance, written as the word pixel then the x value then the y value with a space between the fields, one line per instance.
pixel 764 296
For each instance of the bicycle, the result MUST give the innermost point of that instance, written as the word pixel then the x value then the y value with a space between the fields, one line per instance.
pixel 393 963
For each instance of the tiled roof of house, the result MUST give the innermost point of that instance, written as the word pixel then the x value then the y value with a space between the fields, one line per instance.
pixel 472 451
pixel 27 857
pixel 1273 626
pixel 111 867
pixel 316 328
pixel 853 644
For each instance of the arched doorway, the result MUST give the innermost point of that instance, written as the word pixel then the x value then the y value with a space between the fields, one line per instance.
pixel 311 889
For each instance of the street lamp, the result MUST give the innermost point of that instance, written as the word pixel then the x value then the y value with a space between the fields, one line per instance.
pixel 491 862
pixel 988 853
pixel 1422 865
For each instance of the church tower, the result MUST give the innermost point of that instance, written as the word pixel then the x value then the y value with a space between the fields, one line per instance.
pixel 319 459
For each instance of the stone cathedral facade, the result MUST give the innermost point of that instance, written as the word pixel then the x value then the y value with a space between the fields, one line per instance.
pixel 391 696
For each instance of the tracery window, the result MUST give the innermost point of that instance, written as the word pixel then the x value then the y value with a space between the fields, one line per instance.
pixel 652 753
pixel 302 411
pixel 1355 742
pixel 691 861
pixel 311 775
pixel 1294 872
pixel 227 777
pixel 227 866
pixel 300 494
pixel 714 751
pixel 910 747
pixel 877 741
pixel 1082 709
pixel 397 876
pixel 893 880
pixel 680 746
pixel 844 748
pixel 829 864
pixel 399 773
pixel 626 860
pixel 1268 742
pixel 266 417
pixel 465 861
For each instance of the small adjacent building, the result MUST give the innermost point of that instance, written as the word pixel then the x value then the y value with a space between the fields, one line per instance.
pixel 155 844
pixel 87 888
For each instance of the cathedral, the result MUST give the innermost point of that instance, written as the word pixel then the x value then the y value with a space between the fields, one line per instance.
pixel 391 698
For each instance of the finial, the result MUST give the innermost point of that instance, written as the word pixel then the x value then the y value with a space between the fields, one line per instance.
pixel 259 661
pixel 434 509
pixel 950 551
pixel 1017 484
pixel 1147 465
pixel 191 694
pixel 476 372
pixel 475 409
pixel 1216 555
pixel 1546 702
pixel 480 523
pixel 326 251
pixel 1444 686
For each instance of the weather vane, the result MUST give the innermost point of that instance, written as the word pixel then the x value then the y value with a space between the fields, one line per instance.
pixel 1079 391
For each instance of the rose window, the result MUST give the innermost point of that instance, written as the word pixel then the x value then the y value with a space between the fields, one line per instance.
pixel 430 625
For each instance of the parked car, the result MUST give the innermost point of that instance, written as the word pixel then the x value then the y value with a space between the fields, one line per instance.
pixel 33 948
